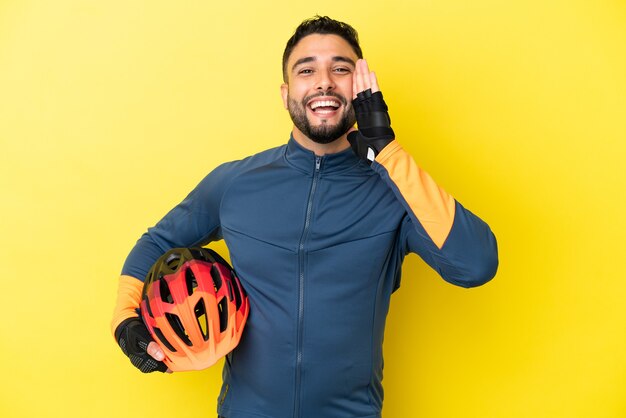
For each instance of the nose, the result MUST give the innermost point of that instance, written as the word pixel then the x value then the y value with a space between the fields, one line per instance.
pixel 325 81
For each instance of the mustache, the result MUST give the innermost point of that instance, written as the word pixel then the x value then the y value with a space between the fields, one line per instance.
pixel 325 94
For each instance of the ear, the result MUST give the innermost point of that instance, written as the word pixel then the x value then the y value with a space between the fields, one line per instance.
pixel 284 92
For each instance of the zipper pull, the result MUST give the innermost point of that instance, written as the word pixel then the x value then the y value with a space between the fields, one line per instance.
pixel 318 162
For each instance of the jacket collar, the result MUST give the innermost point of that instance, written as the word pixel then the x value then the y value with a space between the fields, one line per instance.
pixel 305 160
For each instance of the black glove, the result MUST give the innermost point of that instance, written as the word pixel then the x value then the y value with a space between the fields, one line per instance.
pixel 133 337
pixel 375 131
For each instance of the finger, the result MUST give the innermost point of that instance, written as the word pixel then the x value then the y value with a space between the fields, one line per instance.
pixel 354 90
pixel 365 71
pixel 359 76
pixel 155 351
pixel 374 82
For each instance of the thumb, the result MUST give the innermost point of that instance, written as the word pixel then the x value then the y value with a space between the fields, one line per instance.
pixel 155 351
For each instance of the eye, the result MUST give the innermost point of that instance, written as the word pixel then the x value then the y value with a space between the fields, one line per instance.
pixel 342 70
pixel 305 71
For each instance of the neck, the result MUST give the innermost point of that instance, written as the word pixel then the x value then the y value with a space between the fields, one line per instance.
pixel 320 150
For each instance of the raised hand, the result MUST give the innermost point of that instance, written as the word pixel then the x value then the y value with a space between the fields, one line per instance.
pixel 374 125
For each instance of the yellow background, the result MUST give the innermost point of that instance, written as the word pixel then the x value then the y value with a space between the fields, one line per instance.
pixel 111 111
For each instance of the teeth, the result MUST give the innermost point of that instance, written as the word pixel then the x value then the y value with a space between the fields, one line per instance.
pixel 319 103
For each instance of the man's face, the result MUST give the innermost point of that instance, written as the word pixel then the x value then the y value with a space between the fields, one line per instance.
pixel 318 92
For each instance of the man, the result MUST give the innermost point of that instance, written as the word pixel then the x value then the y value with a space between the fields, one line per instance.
pixel 317 230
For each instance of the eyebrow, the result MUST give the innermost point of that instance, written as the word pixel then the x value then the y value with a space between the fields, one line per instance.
pixel 338 58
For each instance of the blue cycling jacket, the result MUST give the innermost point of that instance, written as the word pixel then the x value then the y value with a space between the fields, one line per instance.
pixel 318 244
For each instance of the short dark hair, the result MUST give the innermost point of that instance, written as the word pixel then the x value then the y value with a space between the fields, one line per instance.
pixel 323 25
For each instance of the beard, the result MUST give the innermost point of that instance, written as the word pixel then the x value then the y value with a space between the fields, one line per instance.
pixel 324 133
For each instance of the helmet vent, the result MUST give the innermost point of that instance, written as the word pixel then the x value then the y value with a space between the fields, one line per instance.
pixel 166 295
pixel 173 261
pixel 148 308
pixel 222 307
pixel 202 319
pixel 217 278
pixel 239 292
pixel 178 328
pixel 163 340
pixel 198 254
pixel 230 290
pixel 190 280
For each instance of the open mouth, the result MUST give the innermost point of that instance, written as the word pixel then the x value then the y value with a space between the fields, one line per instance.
pixel 324 107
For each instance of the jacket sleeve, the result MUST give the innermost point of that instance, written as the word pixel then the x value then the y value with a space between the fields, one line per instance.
pixel 451 239
pixel 193 222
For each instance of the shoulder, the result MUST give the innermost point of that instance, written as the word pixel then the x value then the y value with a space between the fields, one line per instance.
pixel 251 162
pixel 224 174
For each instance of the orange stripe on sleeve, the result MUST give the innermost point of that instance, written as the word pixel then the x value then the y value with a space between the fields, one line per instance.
pixel 128 299
pixel 433 206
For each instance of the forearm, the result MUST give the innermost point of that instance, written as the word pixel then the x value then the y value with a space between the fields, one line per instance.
pixel 451 239
pixel 146 251
pixel 128 300
pixel 432 206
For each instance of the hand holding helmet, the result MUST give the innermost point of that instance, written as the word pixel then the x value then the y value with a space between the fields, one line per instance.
pixel 135 341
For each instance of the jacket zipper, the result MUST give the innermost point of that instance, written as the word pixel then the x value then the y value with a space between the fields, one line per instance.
pixel 307 222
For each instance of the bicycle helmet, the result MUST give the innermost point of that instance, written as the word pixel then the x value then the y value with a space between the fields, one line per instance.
pixel 194 306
